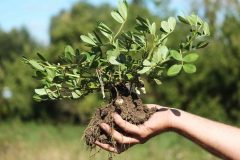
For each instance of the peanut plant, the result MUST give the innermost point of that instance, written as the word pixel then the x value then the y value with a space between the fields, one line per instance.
pixel 110 58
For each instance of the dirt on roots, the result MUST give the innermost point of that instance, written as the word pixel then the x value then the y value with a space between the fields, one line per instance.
pixel 127 104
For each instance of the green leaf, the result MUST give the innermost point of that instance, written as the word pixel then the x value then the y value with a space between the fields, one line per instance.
pixel 122 67
pixel 147 63
pixel 163 51
pixel 87 56
pixel 165 27
pixel 202 44
pixel 91 36
pixel 129 76
pixel 113 53
pixel 41 57
pixel 141 21
pixel 76 94
pixel 69 49
pixel 105 30
pixel 40 75
pixel 69 53
pixel 183 19
pixel 156 58
pixel 206 29
pixel 176 55
pixel 144 70
pixel 168 26
pixel 158 82
pixel 50 75
pixel 36 65
pixel 160 54
pixel 117 17
pixel 171 23
pixel 58 79
pixel 193 19
pixel 191 57
pixel 152 28
pixel 113 60
pixel 174 70
pixel 189 68
pixel 37 98
pixel 87 39
pixel 122 9
pixel 142 24
pixel 40 91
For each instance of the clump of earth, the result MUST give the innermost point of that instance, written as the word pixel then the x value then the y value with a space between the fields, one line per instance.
pixel 124 102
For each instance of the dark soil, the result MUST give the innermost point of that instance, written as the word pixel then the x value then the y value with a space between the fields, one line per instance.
pixel 130 108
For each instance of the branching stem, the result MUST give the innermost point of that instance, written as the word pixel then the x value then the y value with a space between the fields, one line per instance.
pixel 119 30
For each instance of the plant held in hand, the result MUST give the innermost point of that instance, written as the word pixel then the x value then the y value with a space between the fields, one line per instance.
pixel 115 62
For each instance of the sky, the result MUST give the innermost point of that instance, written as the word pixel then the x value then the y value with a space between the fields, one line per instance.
pixel 36 15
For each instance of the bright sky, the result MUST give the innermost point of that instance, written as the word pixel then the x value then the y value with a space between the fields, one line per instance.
pixel 36 15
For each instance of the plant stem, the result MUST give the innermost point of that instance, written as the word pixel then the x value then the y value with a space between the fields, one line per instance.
pixel 72 75
pixel 182 56
pixel 151 51
pixel 119 73
pixel 119 30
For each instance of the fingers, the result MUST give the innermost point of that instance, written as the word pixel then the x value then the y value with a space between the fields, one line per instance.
pixel 118 136
pixel 106 147
pixel 128 127
pixel 117 149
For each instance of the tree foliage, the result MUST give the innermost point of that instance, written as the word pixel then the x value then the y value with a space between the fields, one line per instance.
pixel 15 88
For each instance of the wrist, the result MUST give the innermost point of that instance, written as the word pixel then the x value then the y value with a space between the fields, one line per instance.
pixel 174 119
pixel 167 118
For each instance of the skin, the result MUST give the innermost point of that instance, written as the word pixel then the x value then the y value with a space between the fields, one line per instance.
pixel 219 139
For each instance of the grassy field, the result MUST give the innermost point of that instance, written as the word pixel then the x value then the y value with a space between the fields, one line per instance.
pixel 33 141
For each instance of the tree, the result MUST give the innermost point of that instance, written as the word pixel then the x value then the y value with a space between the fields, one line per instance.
pixel 15 88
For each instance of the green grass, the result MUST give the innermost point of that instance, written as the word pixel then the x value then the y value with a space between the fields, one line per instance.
pixel 31 141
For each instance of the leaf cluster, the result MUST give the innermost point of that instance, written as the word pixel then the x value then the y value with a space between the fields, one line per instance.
pixel 120 57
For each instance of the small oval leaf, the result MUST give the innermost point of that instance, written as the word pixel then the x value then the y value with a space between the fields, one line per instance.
pixel 88 40
pixel 152 28
pixel 165 27
pixel 202 44
pixel 41 57
pixel 69 49
pixel 117 17
pixel 144 70
pixel 158 82
pixel 191 57
pixel 113 61
pixel 174 70
pixel 147 63
pixel 36 65
pixel 176 55
pixel 171 23
pixel 206 29
pixel 183 19
pixel 122 8
pixel 189 68
pixel 40 91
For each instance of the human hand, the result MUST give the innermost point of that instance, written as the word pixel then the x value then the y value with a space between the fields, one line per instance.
pixel 157 123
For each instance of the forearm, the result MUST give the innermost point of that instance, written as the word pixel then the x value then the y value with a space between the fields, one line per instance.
pixel 220 139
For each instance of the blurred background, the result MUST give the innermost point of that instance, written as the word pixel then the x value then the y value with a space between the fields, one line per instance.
pixel 52 130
